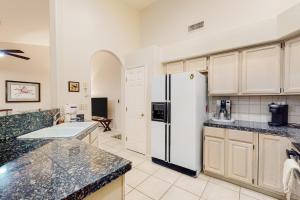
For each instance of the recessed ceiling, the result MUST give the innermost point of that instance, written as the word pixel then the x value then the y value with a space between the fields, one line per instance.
pixel 139 4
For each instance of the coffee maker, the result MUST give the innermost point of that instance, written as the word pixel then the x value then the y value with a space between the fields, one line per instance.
pixel 223 109
pixel 279 113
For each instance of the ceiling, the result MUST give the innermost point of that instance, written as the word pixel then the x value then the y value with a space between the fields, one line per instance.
pixel 24 21
pixel 139 4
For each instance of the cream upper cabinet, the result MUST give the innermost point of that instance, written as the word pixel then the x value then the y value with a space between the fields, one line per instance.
pixel 261 70
pixel 271 159
pixel 199 64
pixel 240 161
pixel 214 155
pixel 175 67
pixel 223 74
pixel 292 66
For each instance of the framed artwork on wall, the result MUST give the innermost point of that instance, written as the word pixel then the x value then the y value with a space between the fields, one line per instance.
pixel 73 86
pixel 22 92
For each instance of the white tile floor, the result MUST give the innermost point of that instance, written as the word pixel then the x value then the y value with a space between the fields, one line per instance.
pixel 148 181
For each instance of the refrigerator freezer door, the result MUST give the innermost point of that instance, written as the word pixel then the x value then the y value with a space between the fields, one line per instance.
pixel 188 111
pixel 158 93
pixel 158 144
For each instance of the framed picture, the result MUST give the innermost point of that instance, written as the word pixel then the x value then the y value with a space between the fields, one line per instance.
pixel 22 92
pixel 73 86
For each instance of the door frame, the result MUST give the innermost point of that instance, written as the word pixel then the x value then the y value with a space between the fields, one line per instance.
pixel 146 105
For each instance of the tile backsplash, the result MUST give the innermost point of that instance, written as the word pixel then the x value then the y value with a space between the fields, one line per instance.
pixel 255 108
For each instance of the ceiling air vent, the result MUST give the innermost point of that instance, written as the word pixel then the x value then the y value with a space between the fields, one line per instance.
pixel 196 26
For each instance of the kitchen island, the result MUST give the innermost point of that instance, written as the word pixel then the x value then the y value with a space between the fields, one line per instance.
pixel 52 168
pixel 57 169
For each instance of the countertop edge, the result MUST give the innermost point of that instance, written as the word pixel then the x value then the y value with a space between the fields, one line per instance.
pixel 93 187
pixel 276 131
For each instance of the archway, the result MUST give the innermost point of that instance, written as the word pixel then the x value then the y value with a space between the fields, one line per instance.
pixel 106 81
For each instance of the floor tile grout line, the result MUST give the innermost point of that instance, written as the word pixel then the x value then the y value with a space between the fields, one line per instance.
pixel 172 185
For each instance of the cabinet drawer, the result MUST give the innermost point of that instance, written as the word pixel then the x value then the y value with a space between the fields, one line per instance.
pixel 242 136
pixel 214 132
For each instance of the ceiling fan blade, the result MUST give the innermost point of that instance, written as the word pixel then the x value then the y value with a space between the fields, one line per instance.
pixel 11 50
pixel 18 56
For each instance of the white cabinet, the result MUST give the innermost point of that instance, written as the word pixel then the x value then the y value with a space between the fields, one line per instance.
pixel 198 64
pixel 214 155
pixel 240 161
pixel 271 159
pixel 261 70
pixel 292 66
pixel 223 74
pixel 175 67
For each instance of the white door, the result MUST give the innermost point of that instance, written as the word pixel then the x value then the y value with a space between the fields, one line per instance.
pixel 136 110
pixel 223 74
pixel 240 161
pixel 261 71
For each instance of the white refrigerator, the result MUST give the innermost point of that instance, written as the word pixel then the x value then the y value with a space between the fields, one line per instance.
pixel 179 104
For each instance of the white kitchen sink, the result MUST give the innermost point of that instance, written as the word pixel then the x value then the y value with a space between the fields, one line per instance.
pixel 65 130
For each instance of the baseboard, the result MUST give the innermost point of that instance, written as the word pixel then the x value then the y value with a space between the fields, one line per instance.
pixel 183 170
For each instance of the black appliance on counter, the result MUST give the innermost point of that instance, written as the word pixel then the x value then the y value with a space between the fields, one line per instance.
pixel 279 114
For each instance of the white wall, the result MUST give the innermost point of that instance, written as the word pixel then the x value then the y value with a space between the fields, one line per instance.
pixel 24 21
pixel 81 28
pixel 106 82
pixel 34 70
pixel 165 22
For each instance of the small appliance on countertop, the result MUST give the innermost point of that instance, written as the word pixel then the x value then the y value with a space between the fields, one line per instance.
pixel 279 113
pixel 70 111
pixel 223 111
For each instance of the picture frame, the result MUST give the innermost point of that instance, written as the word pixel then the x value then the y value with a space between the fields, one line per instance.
pixel 22 92
pixel 73 86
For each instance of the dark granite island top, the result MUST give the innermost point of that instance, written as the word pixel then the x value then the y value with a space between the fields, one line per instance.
pixel 259 127
pixel 55 169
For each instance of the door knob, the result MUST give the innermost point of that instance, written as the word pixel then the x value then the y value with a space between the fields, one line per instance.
pixel 142 115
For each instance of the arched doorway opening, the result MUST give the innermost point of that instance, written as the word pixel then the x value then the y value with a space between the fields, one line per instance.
pixel 106 82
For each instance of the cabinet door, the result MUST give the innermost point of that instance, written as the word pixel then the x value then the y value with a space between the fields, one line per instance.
pixel 199 64
pixel 261 71
pixel 174 68
pixel 271 159
pixel 223 74
pixel 240 161
pixel 292 66
pixel 214 153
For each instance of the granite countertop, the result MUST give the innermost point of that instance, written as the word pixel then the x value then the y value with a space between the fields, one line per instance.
pixel 263 128
pixel 55 169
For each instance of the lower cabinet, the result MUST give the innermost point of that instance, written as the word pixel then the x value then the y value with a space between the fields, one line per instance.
pixel 246 157
pixel 214 155
pixel 240 161
pixel 271 159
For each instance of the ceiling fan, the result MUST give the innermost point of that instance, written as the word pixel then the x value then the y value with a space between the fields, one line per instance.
pixel 12 52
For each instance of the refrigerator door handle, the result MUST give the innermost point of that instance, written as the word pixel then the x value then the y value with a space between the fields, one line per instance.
pixel 169 112
pixel 170 80
pixel 166 87
pixel 169 145
pixel 166 141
